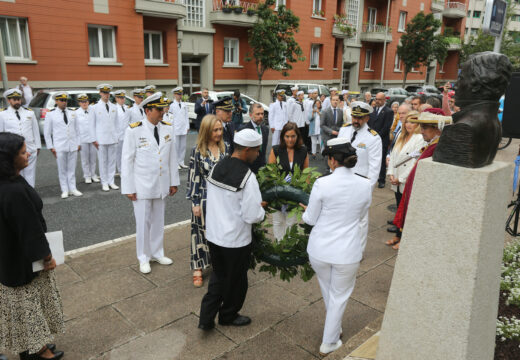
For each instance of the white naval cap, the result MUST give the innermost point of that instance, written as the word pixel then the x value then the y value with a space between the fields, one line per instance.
pixel 60 95
pixel 280 92
pixel 344 92
pixel 82 97
pixel 248 138
pixel 295 87
pixel 104 87
pixel 154 100
pixel 12 93
pixel 177 90
pixel 138 92
pixel 313 91
pixel 360 108
pixel 120 93
pixel 333 89
pixel 300 92
pixel 149 88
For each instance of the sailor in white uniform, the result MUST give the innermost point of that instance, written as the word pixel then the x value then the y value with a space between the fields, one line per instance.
pixel 22 121
pixel 104 125
pixel 181 124
pixel 88 151
pixel 136 112
pixel 124 119
pixel 337 203
pixel 149 174
pixel 369 147
pixel 297 112
pixel 62 138
pixel 278 116
pixel 294 96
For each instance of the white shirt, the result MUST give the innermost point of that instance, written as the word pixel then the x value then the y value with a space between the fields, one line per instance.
pixel 369 150
pixel 123 118
pixel 136 114
pixel 326 103
pixel 180 119
pixel 27 93
pixel 104 125
pixel 148 169
pixel 61 136
pixel 415 144
pixel 296 115
pixel 26 126
pixel 83 126
pixel 336 205
pixel 307 106
pixel 229 214
pixel 278 115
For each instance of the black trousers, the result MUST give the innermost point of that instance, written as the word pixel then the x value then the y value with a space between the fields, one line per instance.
pixel 398 197
pixel 227 286
pixel 304 132
pixel 382 172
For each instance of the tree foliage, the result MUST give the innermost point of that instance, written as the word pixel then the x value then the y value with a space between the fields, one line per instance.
pixel 272 42
pixel 420 44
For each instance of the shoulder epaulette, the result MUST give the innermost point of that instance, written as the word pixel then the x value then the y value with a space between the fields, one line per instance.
pixel 346 125
pixel 52 109
pixel 363 176
pixel 166 123
pixel 373 132
pixel 136 124
pixel 26 108
pixel 73 108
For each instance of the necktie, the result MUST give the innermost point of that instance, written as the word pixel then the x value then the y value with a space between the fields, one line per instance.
pixel 334 116
pixel 17 115
pixel 141 110
pixel 179 105
pixel 353 137
pixel 156 134
pixel 258 130
pixel 123 107
pixel 106 105
pixel 65 117
pixel 207 108
pixel 86 112
pixel 281 105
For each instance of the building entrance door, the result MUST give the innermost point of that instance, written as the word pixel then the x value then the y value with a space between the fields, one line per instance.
pixel 191 74
pixel 345 76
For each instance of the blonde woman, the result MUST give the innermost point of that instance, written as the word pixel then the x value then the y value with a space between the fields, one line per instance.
pixel 209 150
pixel 402 160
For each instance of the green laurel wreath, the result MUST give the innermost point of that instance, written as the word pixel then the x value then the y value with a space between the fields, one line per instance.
pixel 288 256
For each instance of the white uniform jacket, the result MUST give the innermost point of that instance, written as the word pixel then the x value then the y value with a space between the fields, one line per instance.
pixel 136 114
pixel 104 125
pixel 148 169
pixel 401 172
pixel 27 126
pixel 307 106
pixel 83 125
pixel 58 135
pixel 181 121
pixel 291 100
pixel 124 119
pixel 369 150
pixel 278 115
pixel 326 103
pixel 336 205
pixel 297 113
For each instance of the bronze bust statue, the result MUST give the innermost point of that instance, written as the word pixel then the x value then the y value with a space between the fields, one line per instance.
pixel 473 139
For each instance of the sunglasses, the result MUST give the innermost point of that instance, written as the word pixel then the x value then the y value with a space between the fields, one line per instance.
pixel 61 99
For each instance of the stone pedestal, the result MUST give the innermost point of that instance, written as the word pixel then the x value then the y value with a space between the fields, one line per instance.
pixel 443 300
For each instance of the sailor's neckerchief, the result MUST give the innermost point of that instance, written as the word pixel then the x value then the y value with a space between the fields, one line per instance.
pixel 230 174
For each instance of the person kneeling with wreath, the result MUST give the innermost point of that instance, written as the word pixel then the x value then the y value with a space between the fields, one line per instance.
pixel 336 205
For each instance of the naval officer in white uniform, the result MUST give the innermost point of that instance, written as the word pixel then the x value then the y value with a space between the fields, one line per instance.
pixel 181 124
pixel 149 174
pixel 103 121
pixel 124 119
pixel 137 112
pixel 88 151
pixel 337 203
pixel 278 116
pixel 61 133
pixel 22 121
pixel 369 147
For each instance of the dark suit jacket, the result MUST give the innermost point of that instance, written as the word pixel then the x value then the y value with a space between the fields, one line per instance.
pixel 327 123
pixel 201 111
pixel 382 123
pixel 228 134
pixel 261 159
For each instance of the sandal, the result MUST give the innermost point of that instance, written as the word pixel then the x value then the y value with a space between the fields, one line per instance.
pixel 396 246
pixel 393 241
pixel 197 278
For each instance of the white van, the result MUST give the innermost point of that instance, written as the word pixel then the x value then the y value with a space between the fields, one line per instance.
pixel 322 89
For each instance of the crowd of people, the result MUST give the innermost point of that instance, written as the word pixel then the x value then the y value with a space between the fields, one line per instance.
pixel 362 145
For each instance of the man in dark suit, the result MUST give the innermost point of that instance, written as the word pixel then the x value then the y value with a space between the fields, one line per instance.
pixel 256 113
pixel 203 106
pixel 331 120
pixel 223 109
pixel 381 120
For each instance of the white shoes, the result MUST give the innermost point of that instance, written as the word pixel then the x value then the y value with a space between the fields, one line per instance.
pixel 182 166
pixel 64 194
pixel 95 178
pixel 163 260
pixel 76 193
pixel 145 268
pixel 105 188
pixel 326 349
pixel 114 187
pixel 88 180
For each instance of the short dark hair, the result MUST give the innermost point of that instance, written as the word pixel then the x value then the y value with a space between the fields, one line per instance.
pixel 236 93
pixel 288 127
pixel 237 147
pixel 254 106
pixel 434 102
pixel 10 145
pixel 422 99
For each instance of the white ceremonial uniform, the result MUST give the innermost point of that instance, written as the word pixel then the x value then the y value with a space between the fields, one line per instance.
pixel 297 113
pixel 26 126
pixel 277 119
pixel 124 119
pixel 64 138
pixel 369 150
pixel 334 246
pixel 148 170
pixel 326 103
pixel 181 126
pixel 136 113
pixel 88 151
pixel 104 127
pixel 307 106
pixel 291 100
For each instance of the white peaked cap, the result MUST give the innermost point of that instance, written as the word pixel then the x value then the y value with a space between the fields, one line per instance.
pixel 294 88
pixel 248 138
pixel 300 92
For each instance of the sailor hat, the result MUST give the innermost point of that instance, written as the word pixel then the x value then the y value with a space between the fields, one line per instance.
pixel 333 89
pixel 339 146
pixel 295 87
pixel 60 95
pixel 247 138
pixel 280 92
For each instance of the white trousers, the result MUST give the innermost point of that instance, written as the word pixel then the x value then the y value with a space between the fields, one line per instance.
pixel 67 169
pixel 363 231
pixel 276 137
pixel 149 223
pixel 107 163
pixel 315 141
pixel 180 148
pixel 88 154
pixel 281 222
pixel 119 155
pixel 336 284
pixel 29 173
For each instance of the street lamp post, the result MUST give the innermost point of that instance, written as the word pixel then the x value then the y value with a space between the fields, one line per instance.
pixel 384 43
pixel 3 68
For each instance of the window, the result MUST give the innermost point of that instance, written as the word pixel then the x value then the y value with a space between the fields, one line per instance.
pixel 469 13
pixel 195 13
pixel 102 43
pixel 316 8
pixel 476 14
pixel 397 63
pixel 352 12
pixel 15 38
pixel 315 56
pixel 368 59
pixel 279 3
pixel 231 51
pixel 515 18
pixel 153 47
pixel 372 15
pixel 402 21
pixel 474 32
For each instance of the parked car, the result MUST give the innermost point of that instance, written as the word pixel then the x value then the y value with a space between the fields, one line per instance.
pixel 217 95
pixel 392 94
pixel 322 89
pixel 428 90
pixel 43 102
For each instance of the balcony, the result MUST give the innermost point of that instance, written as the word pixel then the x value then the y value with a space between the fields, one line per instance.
pixel 342 29
pixel 454 43
pixel 454 10
pixel 171 9
pixel 437 6
pixel 376 33
pixel 235 13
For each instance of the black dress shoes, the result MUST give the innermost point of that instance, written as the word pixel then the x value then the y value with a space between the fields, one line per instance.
pixel 381 185
pixel 207 327
pixel 392 229
pixel 239 321
pixel 390 222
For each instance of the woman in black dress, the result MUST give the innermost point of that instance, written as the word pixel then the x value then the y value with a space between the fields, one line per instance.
pixel 31 311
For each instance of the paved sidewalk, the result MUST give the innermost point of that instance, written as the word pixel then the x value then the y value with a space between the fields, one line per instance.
pixel 113 311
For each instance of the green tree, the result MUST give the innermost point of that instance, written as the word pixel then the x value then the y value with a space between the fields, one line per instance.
pixel 420 45
pixel 272 42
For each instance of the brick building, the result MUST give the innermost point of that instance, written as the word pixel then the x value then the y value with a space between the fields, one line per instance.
pixel 196 43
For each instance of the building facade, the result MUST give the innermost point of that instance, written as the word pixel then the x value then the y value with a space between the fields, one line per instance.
pixel 202 43
pixel 475 17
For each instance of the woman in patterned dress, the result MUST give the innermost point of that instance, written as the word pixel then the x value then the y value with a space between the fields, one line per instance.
pixel 209 150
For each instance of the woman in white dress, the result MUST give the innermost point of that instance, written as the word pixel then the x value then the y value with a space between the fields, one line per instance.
pixel 314 127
